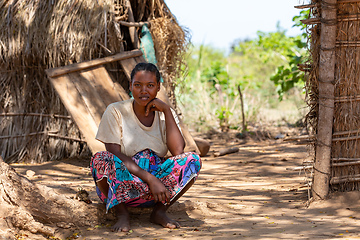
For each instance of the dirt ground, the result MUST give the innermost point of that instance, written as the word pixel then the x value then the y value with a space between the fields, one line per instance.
pixel 249 194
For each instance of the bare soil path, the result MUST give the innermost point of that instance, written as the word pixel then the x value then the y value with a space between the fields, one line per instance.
pixel 244 195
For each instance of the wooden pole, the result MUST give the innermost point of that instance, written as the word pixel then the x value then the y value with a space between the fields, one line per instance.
pixel 320 187
pixel 221 100
pixel 242 110
pixel 133 24
pixel 133 34
pixel 57 72
pixel 34 114
pixel 342 18
pixel 348 1
pixel 306 6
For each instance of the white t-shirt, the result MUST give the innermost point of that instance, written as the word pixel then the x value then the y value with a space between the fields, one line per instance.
pixel 120 125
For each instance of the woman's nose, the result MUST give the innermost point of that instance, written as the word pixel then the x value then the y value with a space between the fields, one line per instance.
pixel 143 89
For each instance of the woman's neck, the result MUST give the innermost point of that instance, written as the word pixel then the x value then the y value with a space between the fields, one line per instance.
pixel 139 110
pixel 140 114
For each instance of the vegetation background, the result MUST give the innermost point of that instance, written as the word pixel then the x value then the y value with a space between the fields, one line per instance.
pixel 264 69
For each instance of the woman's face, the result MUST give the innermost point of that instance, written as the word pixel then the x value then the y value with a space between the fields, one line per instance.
pixel 144 87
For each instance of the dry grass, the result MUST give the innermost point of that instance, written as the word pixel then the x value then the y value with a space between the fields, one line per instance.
pixel 170 42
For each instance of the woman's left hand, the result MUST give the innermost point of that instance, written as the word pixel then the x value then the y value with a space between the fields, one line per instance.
pixel 159 191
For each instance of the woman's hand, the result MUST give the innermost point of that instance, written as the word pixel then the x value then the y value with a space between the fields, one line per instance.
pixel 174 139
pixel 156 105
pixel 159 191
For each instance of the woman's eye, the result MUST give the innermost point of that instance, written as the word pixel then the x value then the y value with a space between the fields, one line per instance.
pixel 137 85
pixel 151 85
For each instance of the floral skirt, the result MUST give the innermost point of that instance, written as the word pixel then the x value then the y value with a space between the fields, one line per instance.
pixel 124 187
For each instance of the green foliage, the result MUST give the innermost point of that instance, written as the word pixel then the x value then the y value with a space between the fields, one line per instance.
pixel 288 75
pixel 223 115
pixel 274 50
pixel 216 74
pixel 304 14
pixel 208 94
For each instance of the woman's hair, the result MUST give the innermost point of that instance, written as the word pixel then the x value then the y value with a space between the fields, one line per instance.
pixel 149 67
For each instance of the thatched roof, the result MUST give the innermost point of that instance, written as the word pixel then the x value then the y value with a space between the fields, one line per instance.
pixel 36 35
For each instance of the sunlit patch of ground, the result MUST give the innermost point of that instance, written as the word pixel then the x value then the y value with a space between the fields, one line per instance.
pixel 248 194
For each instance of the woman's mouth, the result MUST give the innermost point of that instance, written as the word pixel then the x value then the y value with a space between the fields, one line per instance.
pixel 144 98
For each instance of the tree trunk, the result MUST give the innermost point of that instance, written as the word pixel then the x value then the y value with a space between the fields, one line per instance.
pixel 326 99
pixel 37 209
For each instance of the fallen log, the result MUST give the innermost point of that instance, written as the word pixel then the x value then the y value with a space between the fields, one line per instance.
pixel 225 151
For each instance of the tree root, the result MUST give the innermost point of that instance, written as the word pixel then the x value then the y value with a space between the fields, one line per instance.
pixel 37 208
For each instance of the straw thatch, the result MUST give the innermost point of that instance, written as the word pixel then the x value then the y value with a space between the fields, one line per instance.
pixel 36 35
pixel 345 145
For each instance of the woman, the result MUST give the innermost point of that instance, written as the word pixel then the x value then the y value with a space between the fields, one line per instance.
pixel 137 134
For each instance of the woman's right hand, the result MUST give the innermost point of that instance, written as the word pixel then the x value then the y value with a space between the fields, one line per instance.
pixel 159 191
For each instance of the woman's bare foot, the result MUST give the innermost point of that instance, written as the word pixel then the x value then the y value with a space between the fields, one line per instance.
pixel 159 216
pixel 123 220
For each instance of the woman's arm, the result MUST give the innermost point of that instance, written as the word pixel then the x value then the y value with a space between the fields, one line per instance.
pixel 157 188
pixel 174 139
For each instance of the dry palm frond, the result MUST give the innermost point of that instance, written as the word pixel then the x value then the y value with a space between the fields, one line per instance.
pixel 170 42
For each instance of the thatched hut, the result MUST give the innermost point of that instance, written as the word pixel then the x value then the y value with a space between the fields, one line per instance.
pixel 37 35
pixel 333 92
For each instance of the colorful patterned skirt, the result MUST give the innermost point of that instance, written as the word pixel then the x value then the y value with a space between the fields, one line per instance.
pixel 124 187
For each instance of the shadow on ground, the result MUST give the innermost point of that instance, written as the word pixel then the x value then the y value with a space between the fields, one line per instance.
pixel 248 194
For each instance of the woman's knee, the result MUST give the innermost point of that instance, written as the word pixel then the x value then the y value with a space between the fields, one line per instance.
pixel 101 156
pixel 191 157
pixel 196 157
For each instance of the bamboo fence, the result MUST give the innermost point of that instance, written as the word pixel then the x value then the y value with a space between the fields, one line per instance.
pixel 36 35
pixel 333 94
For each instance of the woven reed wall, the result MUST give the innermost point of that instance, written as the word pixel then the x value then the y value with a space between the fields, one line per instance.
pixel 346 132
pixel 345 147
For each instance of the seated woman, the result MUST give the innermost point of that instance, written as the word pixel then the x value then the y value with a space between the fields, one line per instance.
pixel 137 134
